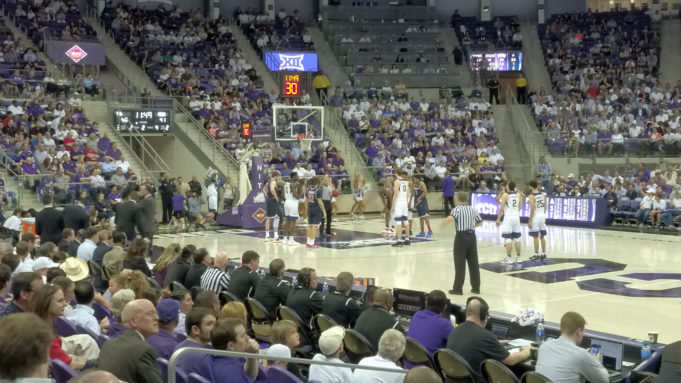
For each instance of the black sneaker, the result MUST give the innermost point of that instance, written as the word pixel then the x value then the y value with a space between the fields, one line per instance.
pixel 535 257
pixel 407 242
pixel 452 292
pixel 543 257
pixel 397 244
pixel 474 291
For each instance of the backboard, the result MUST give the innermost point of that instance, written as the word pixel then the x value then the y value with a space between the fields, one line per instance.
pixel 291 121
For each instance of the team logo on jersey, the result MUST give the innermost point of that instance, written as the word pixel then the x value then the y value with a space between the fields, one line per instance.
pixel 259 215
pixel 291 62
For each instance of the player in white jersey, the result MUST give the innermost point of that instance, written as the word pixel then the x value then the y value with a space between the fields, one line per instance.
pixel 509 206
pixel 537 220
pixel 402 191
pixel 293 190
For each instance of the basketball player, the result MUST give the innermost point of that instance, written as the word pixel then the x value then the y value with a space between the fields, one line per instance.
pixel 537 220
pixel 293 191
pixel 509 207
pixel 386 194
pixel 272 207
pixel 421 203
pixel 358 207
pixel 315 210
pixel 402 191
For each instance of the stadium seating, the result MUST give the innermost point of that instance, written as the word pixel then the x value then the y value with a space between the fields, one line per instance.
pixel 60 19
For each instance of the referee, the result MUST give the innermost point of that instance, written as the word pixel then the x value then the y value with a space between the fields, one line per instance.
pixel 326 199
pixel 465 244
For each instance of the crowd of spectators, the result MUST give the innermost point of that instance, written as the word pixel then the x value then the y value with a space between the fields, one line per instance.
pixel 609 102
pixel 285 32
pixel 61 19
pixel 50 144
pixel 429 139
pixel 501 33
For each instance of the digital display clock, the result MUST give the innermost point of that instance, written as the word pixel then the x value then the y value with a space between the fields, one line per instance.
pixel 142 120
pixel 291 85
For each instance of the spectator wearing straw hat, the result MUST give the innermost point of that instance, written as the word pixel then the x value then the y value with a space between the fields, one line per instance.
pixel 331 347
pixel 75 268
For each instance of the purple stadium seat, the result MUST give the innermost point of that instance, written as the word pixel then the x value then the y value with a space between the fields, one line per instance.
pixel 279 375
pixel 65 327
pixel 196 378
pixel 61 372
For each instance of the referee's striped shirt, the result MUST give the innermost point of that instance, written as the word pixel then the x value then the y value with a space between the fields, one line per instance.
pixel 465 217
pixel 214 280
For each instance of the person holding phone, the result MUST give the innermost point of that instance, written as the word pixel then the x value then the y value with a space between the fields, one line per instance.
pixel 562 360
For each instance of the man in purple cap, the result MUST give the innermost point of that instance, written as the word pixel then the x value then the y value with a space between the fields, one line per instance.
pixel 164 341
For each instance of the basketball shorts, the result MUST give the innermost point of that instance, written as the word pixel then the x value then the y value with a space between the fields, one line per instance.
pixel 314 216
pixel 422 208
pixel 401 212
pixel 359 195
pixel 291 210
pixel 510 227
pixel 272 208
pixel 179 214
pixel 538 226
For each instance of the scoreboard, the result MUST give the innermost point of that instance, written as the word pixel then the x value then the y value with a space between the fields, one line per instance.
pixel 142 120
pixel 290 86
pixel 509 61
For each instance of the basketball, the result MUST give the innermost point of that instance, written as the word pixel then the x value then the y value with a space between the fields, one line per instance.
pixel 335 193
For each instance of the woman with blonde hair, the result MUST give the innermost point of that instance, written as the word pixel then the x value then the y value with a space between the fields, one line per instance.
pixel 169 255
pixel 129 279
pixel 234 310
pixel 358 207
pixel 48 304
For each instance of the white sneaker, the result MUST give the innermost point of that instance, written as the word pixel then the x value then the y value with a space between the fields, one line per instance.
pixel 518 259
pixel 506 261
pixel 293 242
pixel 334 219
pixel 267 238
pixel 361 217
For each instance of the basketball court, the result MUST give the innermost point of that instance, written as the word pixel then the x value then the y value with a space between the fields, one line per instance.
pixel 629 276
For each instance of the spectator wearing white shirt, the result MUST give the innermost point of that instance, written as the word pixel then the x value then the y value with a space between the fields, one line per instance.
pixel 659 207
pixel 123 164
pixel 672 211
pixel 331 347
pixel 495 156
pixel 438 140
pixel 14 222
pixel 15 108
pixel 23 249
pixel 390 349
pixel 440 171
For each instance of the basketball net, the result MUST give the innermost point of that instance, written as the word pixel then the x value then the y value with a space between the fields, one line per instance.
pixel 305 142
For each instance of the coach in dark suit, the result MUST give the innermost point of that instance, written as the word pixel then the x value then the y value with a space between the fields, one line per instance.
pixel 125 216
pixel 75 217
pixel 145 216
pixel 49 222
pixel 129 357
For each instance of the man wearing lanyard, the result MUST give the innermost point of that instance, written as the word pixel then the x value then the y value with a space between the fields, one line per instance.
pixel 326 199
pixel 465 244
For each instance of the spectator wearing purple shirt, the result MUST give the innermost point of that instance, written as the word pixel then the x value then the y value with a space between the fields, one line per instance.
pixel 198 323
pixel 164 341
pixel 29 167
pixel 104 144
pixel 428 327
pixel 230 335
pixel 114 152
pixel 604 141
pixel 114 196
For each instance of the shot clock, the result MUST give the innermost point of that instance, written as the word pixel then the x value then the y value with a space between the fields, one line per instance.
pixel 291 85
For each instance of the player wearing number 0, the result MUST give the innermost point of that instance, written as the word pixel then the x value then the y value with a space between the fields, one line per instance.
pixel 402 191
pixel 537 221
pixel 421 203
pixel 509 206
pixel 315 210
pixel 293 191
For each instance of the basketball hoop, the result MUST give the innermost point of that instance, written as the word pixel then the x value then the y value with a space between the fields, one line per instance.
pixel 305 142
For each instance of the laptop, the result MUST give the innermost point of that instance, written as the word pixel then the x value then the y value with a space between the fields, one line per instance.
pixel 611 355
pixel 500 331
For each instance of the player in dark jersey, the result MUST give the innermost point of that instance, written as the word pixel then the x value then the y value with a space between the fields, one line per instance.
pixel 315 210
pixel 272 206
pixel 421 204
pixel 386 194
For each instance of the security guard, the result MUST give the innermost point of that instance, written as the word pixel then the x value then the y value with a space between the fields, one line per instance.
pixel 272 290
pixel 244 280
pixel 303 299
pixel 338 305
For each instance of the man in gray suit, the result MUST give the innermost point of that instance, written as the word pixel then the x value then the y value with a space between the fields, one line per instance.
pixel 145 217
pixel 125 216
pixel 129 356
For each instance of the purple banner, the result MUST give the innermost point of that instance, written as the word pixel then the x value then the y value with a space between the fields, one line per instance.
pixel 250 214
pixel 76 52
pixel 582 212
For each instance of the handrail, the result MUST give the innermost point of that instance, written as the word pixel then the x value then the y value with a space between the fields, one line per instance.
pixel 144 170
pixel 172 363
pixel 523 128
pixel 334 114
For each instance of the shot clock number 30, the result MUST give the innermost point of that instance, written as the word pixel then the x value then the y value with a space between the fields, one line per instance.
pixel 291 85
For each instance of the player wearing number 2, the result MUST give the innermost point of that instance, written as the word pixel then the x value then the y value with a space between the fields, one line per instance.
pixel 509 206
pixel 402 192
pixel 537 220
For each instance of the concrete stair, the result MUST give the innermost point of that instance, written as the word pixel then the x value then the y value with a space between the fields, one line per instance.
pixel 252 57
pixel 533 59
pixel 670 54
pixel 327 59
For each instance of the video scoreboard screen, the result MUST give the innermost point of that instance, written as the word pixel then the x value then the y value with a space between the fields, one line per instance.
pixel 558 208
pixel 496 61
pixel 142 120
